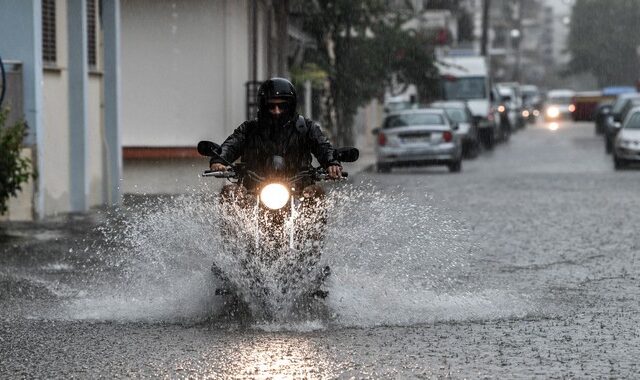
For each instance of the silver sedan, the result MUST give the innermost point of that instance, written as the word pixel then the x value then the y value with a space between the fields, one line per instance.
pixel 418 137
pixel 626 146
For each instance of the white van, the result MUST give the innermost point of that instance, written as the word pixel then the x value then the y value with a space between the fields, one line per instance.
pixel 467 78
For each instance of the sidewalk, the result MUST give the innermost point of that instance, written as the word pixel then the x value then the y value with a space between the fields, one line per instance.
pixel 176 175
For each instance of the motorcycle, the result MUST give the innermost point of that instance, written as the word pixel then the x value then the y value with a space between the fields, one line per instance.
pixel 275 228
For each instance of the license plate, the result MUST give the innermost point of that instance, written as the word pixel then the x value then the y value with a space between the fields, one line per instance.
pixel 417 139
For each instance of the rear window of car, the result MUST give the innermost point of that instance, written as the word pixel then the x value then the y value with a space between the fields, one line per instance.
pixel 457 114
pixel 405 120
pixel 634 121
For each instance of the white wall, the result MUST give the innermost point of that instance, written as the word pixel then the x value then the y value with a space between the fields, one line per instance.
pixel 184 66
pixel 55 148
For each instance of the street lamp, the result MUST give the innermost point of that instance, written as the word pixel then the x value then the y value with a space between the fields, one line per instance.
pixel 515 38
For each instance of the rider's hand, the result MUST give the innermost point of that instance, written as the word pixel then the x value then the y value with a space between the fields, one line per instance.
pixel 216 167
pixel 334 171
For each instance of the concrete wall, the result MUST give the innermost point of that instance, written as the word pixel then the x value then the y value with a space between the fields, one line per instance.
pixel 184 65
pixel 55 148
pixel 47 111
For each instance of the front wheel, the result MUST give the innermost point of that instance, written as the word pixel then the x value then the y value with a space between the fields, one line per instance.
pixel 618 163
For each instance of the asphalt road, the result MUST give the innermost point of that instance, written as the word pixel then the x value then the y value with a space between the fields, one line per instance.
pixel 523 265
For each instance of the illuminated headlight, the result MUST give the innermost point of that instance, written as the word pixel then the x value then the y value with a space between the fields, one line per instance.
pixel 553 111
pixel 275 196
pixel 536 113
pixel 525 113
pixel 501 109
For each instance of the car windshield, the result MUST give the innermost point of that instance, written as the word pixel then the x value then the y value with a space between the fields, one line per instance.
pixel 560 100
pixel 464 88
pixel 457 114
pixel 405 120
pixel 634 121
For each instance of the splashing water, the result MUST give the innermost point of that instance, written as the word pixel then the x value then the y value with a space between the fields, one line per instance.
pixel 393 260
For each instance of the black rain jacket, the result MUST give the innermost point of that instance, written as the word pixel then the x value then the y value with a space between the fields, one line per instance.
pixel 257 142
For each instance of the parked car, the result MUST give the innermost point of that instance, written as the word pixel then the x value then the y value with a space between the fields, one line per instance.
pixel 531 102
pixel 626 146
pixel 418 137
pixel 516 104
pixel 558 105
pixel 507 109
pixel 602 112
pixel 614 121
pixel 458 112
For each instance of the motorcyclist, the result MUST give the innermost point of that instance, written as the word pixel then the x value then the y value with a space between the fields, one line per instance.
pixel 278 131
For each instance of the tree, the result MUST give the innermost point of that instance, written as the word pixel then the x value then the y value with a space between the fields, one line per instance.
pixel 360 45
pixel 14 169
pixel 604 38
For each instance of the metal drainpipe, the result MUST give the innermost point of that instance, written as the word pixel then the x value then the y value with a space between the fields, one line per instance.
pixel 254 39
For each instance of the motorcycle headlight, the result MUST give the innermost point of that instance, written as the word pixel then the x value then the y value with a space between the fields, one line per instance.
pixel 553 111
pixel 274 196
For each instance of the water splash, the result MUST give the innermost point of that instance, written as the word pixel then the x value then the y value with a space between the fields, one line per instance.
pixel 394 261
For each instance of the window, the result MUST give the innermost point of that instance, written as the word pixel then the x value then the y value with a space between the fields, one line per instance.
pixel 464 88
pixel 634 121
pixel 49 32
pixel 91 33
pixel 405 120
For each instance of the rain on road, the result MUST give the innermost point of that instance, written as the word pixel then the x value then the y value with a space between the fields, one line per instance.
pixel 523 265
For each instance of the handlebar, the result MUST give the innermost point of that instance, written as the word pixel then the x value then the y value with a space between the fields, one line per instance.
pixel 316 175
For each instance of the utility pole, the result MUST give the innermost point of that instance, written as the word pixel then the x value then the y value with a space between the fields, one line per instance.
pixel 486 4
pixel 518 40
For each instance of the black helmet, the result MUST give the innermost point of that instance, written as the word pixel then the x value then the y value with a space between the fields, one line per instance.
pixel 277 88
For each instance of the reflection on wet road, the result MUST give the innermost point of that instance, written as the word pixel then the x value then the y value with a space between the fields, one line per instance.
pixel 523 265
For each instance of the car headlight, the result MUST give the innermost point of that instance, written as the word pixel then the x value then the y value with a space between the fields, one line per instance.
pixel 625 143
pixel 275 196
pixel 553 111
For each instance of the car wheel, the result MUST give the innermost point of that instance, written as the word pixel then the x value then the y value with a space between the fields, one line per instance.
pixel 488 139
pixel 506 134
pixel 618 163
pixel 383 168
pixel 456 166
pixel 473 150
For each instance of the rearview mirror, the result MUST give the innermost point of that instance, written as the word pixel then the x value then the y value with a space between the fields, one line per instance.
pixel 208 149
pixel 455 126
pixel 347 154
pixel 375 131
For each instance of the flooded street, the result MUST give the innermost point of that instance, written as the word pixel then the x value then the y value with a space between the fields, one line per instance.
pixel 523 265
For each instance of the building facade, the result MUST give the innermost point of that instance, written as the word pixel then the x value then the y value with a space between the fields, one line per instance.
pixel 100 77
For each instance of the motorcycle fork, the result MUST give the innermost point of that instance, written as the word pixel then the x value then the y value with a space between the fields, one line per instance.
pixel 289 224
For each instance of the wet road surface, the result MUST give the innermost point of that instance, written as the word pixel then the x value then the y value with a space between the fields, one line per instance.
pixel 523 265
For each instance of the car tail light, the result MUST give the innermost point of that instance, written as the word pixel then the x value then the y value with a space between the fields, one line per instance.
pixel 447 136
pixel 382 139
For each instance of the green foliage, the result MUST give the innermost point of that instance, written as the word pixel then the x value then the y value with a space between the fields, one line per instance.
pixel 603 39
pixel 14 169
pixel 309 71
pixel 360 46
